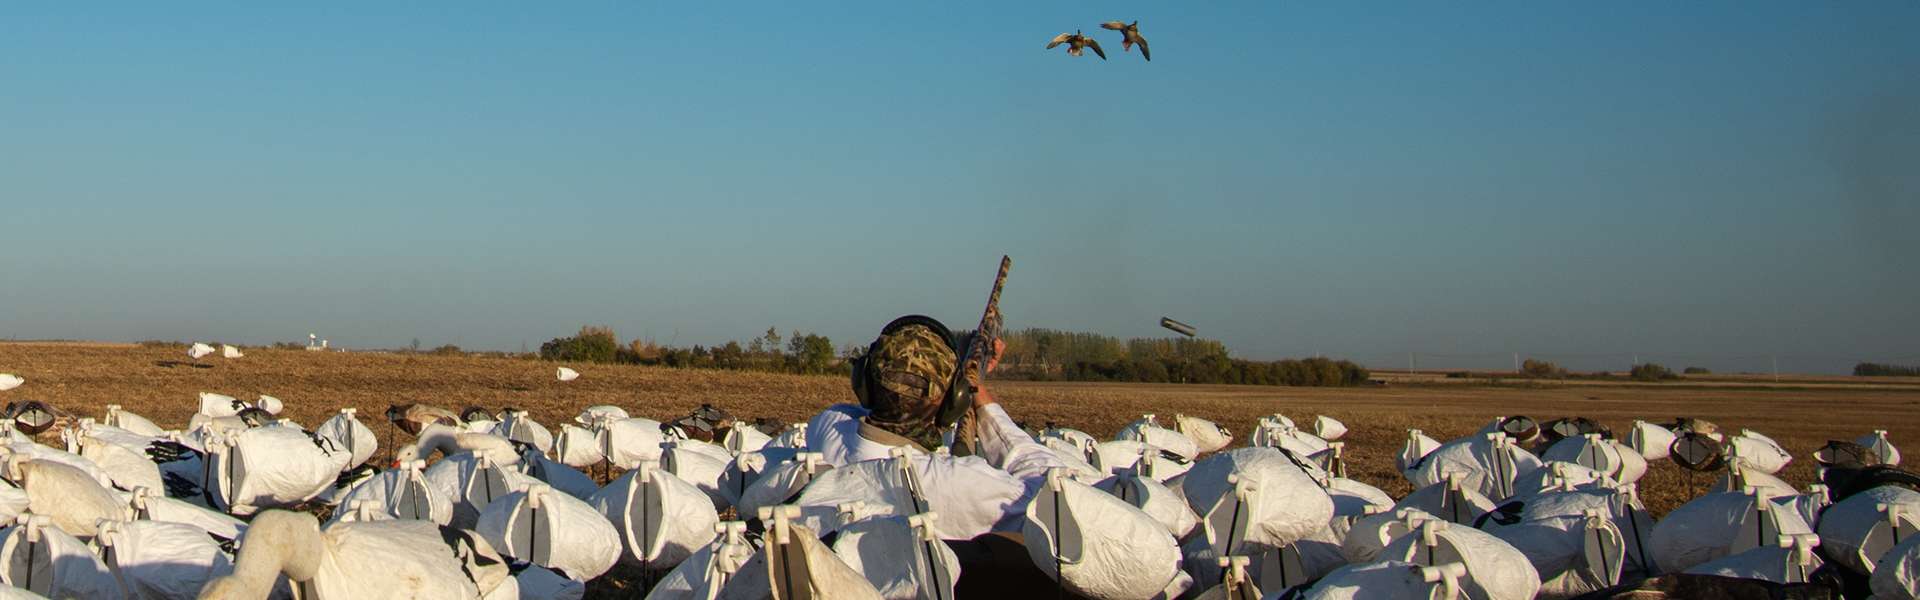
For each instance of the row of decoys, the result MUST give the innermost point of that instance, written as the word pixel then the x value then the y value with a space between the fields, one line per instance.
pixel 507 508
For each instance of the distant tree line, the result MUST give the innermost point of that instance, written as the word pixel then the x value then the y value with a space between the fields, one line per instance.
pixel 1052 355
pixel 805 353
pixel 1867 369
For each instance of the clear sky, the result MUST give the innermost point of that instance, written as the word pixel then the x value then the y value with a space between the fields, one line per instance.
pixel 1703 183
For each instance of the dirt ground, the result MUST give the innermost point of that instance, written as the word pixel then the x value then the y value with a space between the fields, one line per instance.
pixel 152 381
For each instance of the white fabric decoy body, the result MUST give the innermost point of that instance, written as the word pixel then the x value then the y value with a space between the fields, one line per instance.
pixel 1208 437
pixel 901 556
pixel 1897 575
pixel 344 431
pixel 1166 506
pixel 660 519
pixel 398 493
pixel 792 558
pixel 1717 525
pixel 159 560
pixel 1148 431
pixel 37 556
pixel 1099 546
pixel 1389 579
pixel 703 574
pixel 346 560
pixel 267 467
pixel 1880 447
pixel 473 482
pixel 1494 569
pixel 1857 531
pixel 549 528
pixel 1488 464
pixel 1254 499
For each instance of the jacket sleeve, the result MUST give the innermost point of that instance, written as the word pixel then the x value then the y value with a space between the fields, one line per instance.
pixel 1008 448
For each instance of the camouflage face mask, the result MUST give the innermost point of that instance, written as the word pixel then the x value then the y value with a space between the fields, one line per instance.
pixel 908 374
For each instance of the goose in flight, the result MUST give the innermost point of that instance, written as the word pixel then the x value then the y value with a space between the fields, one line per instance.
pixel 1130 33
pixel 1076 43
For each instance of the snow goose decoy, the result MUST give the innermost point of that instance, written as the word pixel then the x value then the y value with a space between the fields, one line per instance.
pixel 118 416
pixel 702 575
pixel 1389 579
pixel 795 565
pixel 38 557
pixel 1148 431
pixel 1897 577
pixel 336 562
pixel 1076 44
pixel 1717 525
pixel 9 381
pixel 1256 499
pixel 1857 531
pixel 160 561
pixel 661 519
pixel 1207 436
pixel 1495 570
pixel 1129 35
pixel 549 528
pixel 199 350
pixel 73 500
pixel 399 493
pixel 267 467
pixel 901 556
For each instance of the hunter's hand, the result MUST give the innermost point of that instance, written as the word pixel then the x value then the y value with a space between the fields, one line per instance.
pixel 999 347
pixel 982 397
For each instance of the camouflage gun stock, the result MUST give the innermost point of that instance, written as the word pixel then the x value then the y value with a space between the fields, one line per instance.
pixel 973 367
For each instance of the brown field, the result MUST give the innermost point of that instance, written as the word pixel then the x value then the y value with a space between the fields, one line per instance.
pixel 84 378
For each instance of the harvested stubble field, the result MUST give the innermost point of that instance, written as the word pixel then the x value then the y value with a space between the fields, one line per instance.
pixel 84 378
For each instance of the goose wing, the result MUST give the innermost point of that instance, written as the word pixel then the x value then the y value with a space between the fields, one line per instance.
pixel 1059 39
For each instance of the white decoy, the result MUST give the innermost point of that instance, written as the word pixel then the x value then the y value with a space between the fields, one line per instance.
pixel 566 374
pixel 38 557
pixel 473 482
pixel 345 560
pixel 546 527
pixel 220 405
pixel 1757 452
pixel 579 447
pixel 1147 430
pixel 199 350
pixel 401 492
pixel 267 467
pixel 1328 428
pixel 1416 449
pixel 1859 529
pixel 1390 579
pixel 1494 569
pixel 120 453
pixel 1653 442
pixel 628 442
pixel 794 436
pixel 1581 541
pixel 1166 506
pixel 1717 525
pixel 149 505
pixel 1276 500
pixel 74 501
pixel 160 561
pixel 344 431
pixel 1897 577
pixel 702 575
pixel 661 519
pixel 742 438
pixel 1099 546
pixel 553 473
pixel 1207 436
pixel 517 426
pixel 1875 443
pixel 270 404
pixel 29 449
pixel 793 558
pixel 1789 560
pixel 1115 456
pixel 448 441
pixel 1449 501
pixel 13 502
pixel 1488 464
pixel 592 416
pixel 125 419
pixel 699 463
pixel 902 557
pixel 9 381
pixel 228 351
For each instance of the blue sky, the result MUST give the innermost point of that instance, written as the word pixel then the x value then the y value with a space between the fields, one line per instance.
pixel 1704 183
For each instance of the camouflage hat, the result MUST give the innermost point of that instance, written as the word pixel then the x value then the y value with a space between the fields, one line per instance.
pixel 908 372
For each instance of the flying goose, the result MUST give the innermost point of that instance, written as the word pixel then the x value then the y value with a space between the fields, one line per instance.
pixel 1130 33
pixel 1076 43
